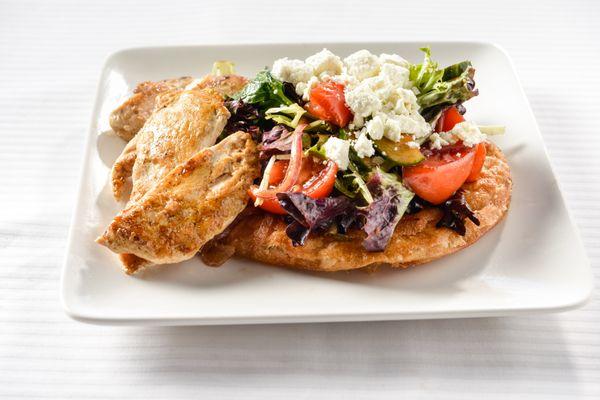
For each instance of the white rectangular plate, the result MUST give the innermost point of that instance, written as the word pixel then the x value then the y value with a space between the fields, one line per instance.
pixel 533 261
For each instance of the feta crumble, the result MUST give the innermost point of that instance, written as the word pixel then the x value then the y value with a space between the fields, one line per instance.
pixel 412 124
pixel 325 63
pixel 364 146
pixel 303 88
pixel 337 150
pixel 413 145
pixel 363 101
pixel 436 141
pixel 466 131
pixel 362 64
pixel 376 126
pixel 395 75
pixel 393 59
pixel 293 71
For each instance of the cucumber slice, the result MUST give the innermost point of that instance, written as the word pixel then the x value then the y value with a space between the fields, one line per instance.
pixel 399 152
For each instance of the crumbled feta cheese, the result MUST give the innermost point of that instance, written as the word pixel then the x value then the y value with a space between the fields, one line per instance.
pixel 347 80
pixel 362 100
pixel 412 124
pixel 393 59
pixel 376 126
pixel 394 75
pixel 325 63
pixel 293 71
pixel 358 121
pixel 436 142
pixel 413 145
pixel 337 150
pixel 301 88
pixel 468 132
pixel 362 64
pixel 403 101
pixel 364 146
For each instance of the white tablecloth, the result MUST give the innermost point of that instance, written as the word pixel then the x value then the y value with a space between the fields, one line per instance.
pixel 50 59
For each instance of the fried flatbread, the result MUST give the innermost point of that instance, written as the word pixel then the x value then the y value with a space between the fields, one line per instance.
pixel 416 240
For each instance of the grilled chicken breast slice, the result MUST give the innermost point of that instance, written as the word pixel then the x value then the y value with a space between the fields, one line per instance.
pixel 130 116
pixel 127 119
pixel 226 85
pixel 174 134
pixel 191 122
pixel 192 204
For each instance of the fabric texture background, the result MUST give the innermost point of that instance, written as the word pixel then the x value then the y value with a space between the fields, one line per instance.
pixel 51 54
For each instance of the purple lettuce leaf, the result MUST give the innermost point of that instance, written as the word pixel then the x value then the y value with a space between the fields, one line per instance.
pixel 315 215
pixel 456 211
pixel 391 199
pixel 278 140
pixel 297 233
pixel 244 117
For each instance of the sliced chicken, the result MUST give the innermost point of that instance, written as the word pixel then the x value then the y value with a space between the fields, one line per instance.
pixel 122 169
pixel 130 116
pixel 190 123
pixel 226 85
pixel 192 204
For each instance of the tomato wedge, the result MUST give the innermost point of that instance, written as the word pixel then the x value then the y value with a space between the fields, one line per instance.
pixel 441 174
pixel 321 185
pixel 278 172
pixel 327 102
pixel 315 181
pixel 478 161
pixel 448 119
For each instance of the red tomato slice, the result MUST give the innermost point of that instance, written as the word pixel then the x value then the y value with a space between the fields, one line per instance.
pixel 327 102
pixel 308 170
pixel 278 172
pixel 448 119
pixel 478 161
pixel 314 180
pixel 441 174
pixel 270 205
pixel 321 185
pixel 318 111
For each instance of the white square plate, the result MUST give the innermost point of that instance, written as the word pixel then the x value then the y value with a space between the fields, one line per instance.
pixel 533 261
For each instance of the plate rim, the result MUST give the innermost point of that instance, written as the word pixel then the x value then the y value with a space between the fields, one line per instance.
pixel 72 311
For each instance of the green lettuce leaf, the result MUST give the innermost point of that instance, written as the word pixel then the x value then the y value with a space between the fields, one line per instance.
pixel 440 88
pixel 264 91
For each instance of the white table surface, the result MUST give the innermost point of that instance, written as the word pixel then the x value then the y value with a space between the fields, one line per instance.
pixel 50 59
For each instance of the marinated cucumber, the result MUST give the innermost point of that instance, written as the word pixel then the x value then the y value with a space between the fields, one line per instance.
pixel 399 152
